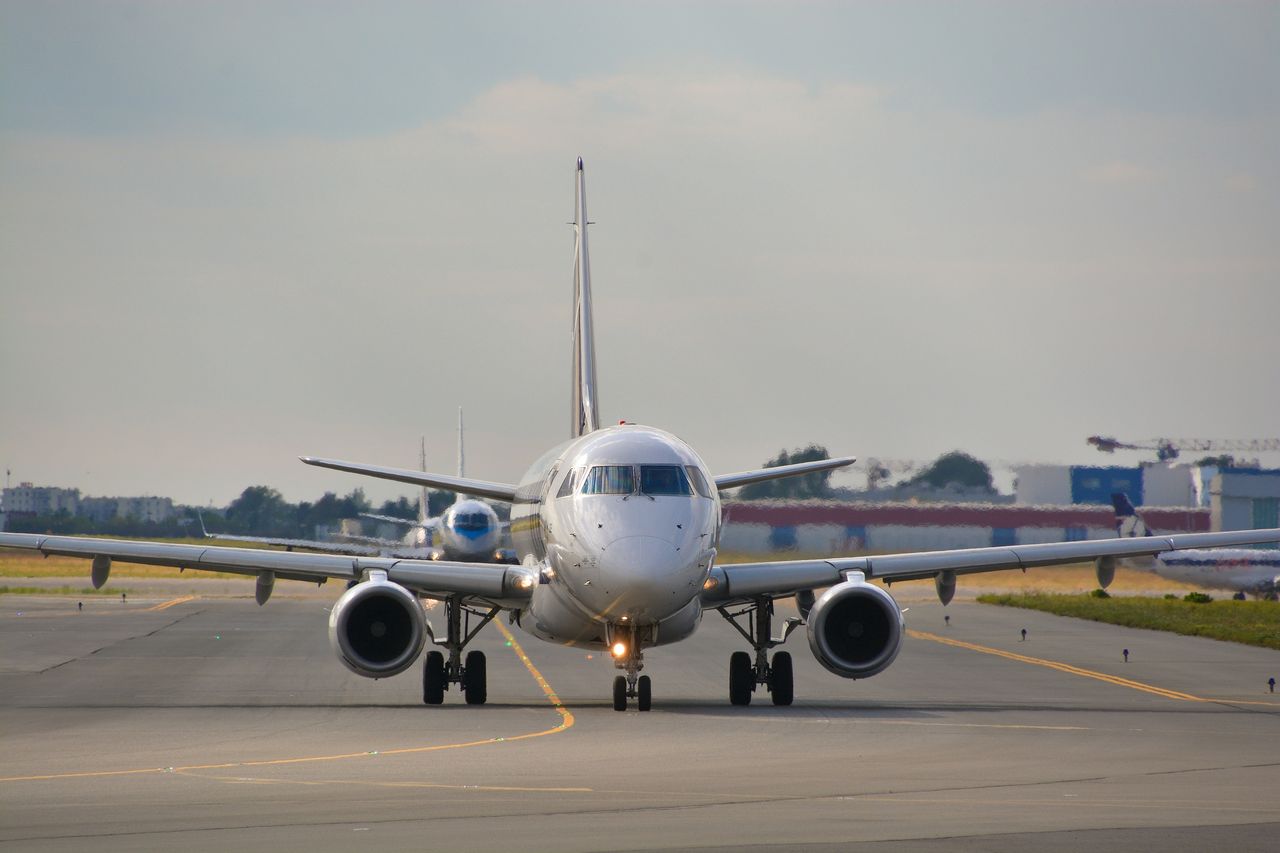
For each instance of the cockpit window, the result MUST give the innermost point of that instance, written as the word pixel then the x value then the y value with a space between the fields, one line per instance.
pixel 664 480
pixel 470 521
pixel 609 480
pixel 567 485
pixel 699 481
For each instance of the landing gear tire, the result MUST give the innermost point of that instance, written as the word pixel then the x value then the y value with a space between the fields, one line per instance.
pixel 476 689
pixel 644 694
pixel 433 679
pixel 620 693
pixel 741 678
pixel 781 681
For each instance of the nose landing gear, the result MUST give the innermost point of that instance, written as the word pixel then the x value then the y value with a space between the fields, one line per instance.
pixel 625 642
pixel 744 676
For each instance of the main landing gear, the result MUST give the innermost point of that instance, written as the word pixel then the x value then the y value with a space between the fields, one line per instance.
pixel 471 676
pixel 745 675
pixel 625 643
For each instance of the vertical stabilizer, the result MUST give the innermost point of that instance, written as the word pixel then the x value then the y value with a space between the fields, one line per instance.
pixel 423 500
pixel 586 415
pixel 461 457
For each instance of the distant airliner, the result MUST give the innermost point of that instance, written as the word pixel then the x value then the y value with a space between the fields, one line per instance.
pixel 617 531
pixel 1244 570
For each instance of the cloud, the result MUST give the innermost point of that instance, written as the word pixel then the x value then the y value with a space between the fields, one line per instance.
pixel 1122 173
pixel 816 261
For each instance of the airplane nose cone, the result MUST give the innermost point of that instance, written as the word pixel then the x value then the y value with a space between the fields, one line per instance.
pixel 647 576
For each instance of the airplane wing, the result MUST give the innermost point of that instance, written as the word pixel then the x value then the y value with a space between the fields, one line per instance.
pixel 748 580
pixel 745 478
pixel 489 581
pixel 360 546
pixel 395 519
pixel 463 485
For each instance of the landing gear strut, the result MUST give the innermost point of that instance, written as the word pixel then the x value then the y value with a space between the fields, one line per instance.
pixel 743 674
pixel 471 677
pixel 633 684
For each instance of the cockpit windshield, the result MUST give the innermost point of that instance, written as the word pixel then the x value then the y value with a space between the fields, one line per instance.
pixel 470 521
pixel 664 480
pixel 609 480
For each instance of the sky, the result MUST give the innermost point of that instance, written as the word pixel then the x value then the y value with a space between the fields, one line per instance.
pixel 235 233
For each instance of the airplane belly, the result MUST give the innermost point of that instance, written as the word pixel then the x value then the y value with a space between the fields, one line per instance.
pixel 551 617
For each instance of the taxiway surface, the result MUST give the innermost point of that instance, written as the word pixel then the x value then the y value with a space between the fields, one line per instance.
pixel 213 724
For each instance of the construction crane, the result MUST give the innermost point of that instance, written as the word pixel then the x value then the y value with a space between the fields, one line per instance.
pixel 1169 449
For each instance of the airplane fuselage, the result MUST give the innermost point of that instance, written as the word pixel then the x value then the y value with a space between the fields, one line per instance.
pixel 623 525
pixel 1253 570
pixel 470 530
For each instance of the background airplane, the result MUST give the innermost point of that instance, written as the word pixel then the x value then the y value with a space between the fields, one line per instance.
pixel 1243 570
pixel 617 530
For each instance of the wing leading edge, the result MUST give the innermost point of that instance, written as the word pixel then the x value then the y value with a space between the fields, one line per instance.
pixel 431 577
pixel 463 485
pixel 746 478
pixel 745 580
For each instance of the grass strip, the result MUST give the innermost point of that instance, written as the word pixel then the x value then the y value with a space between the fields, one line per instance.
pixel 1254 623
pixel 56 590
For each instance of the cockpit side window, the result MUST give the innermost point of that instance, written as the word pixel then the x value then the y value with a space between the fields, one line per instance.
pixel 610 480
pixel 699 482
pixel 570 480
pixel 664 480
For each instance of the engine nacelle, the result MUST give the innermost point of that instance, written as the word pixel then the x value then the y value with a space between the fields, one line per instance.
pixel 855 629
pixel 377 628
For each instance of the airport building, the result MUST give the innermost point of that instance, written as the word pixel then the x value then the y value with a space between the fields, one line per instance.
pixel 1053 503
pixel 28 499
pixel 825 527
pixel 142 508
pixel 1244 498
pixel 41 500
pixel 1146 485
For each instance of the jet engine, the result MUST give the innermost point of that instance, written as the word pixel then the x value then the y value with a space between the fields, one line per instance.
pixel 378 628
pixel 855 629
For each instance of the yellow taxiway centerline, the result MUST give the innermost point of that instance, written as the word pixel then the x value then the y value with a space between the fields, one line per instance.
pixel 566 721
pixel 165 605
pixel 1061 667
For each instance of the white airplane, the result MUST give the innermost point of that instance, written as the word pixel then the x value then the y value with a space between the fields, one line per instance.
pixel 469 530
pixel 1243 570
pixel 617 531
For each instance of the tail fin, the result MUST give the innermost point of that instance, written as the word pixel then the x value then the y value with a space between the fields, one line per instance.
pixel 585 414
pixel 461 457
pixel 423 500
pixel 1128 522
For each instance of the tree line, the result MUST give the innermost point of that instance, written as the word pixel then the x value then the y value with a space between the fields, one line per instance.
pixel 258 511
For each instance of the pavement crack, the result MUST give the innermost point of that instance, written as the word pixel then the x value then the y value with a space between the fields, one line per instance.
pixel 151 633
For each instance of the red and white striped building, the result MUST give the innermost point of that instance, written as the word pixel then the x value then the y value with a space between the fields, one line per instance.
pixel 824 527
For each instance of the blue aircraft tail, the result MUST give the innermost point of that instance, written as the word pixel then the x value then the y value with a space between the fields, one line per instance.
pixel 1128 522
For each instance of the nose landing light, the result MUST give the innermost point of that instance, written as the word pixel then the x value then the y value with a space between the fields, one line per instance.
pixel 619 649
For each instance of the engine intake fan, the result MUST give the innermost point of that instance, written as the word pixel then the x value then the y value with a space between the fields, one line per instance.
pixel 378 628
pixel 855 629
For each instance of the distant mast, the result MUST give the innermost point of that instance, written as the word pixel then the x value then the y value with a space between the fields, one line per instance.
pixel 585 404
